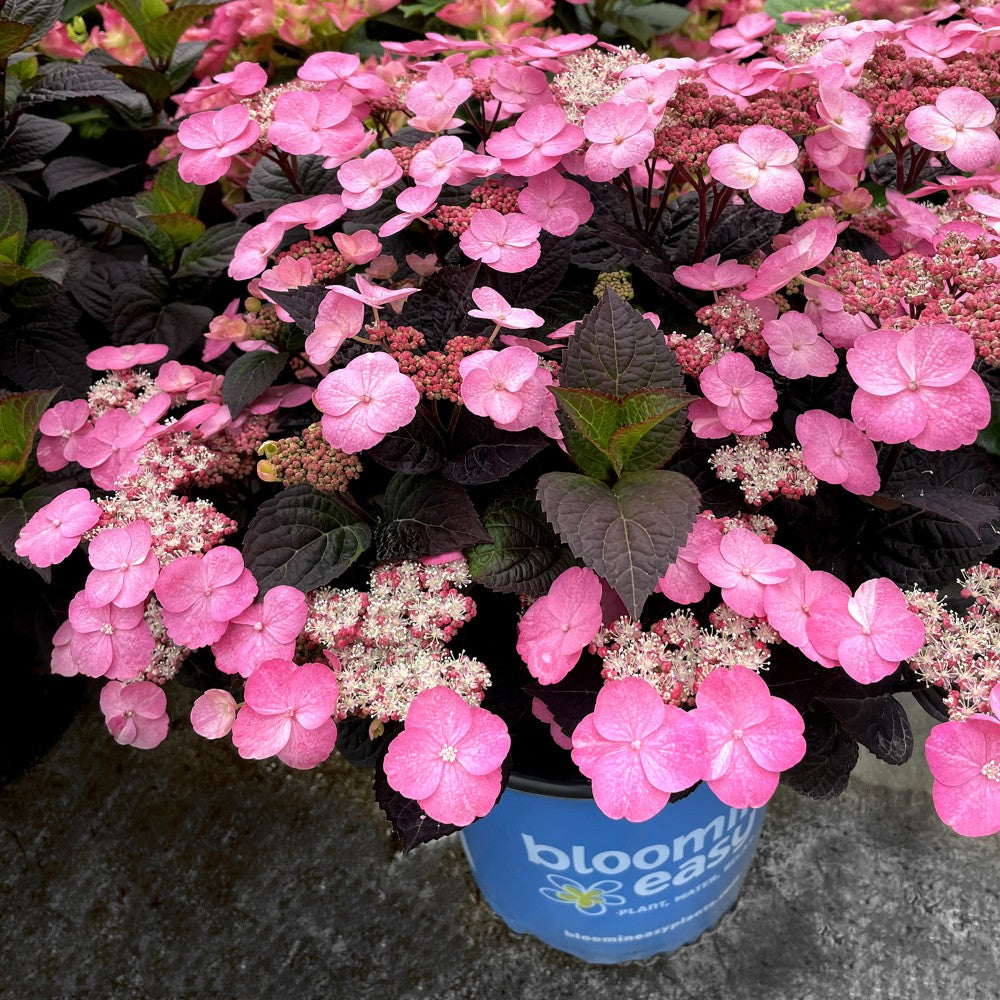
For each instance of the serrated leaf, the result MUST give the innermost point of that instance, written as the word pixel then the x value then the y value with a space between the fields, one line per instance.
pixel 121 212
pixel 546 275
pixel 879 723
pixel 39 15
pixel 169 194
pixel 302 304
pixel 409 822
pixel 69 172
pixel 137 315
pixel 46 351
pixel 524 556
pixel 45 259
pixel 267 180
pixel 830 757
pixel 19 416
pixel 31 138
pixel 209 255
pixel 442 305
pixel 181 229
pixel 483 453
pixel 85 83
pixel 13 36
pixel 741 230
pixel 641 251
pixel 248 376
pixel 430 516
pixel 155 85
pixel 629 533
pixel 162 34
pixel 13 223
pixel 302 538
pixel 416 449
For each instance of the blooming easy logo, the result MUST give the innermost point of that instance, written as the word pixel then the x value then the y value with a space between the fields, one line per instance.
pixel 590 899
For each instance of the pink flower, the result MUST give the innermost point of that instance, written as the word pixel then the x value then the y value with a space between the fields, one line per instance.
pixel 435 99
pixel 960 123
pixel 835 451
pixel 376 296
pixel 711 276
pixel 683 583
pixel 338 318
pixel 125 567
pixel 59 425
pixel 560 206
pixel 536 142
pixel 506 242
pixel 796 349
pixel 213 714
pixel 447 161
pixel 964 758
pixel 110 448
pixel 253 249
pixel 504 386
pixel 287 713
pixel 559 626
pixel 121 358
pixel 745 397
pixel 202 594
pixel 135 714
pixel 494 307
pixel 743 565
pixel 705 423
pixel 53 532
pixel 107 641
pixel 620 137
pixel 211 139
pixel 762 163
pixel 364 180
pixel 869 633
pixel 847 115
pixel 448 757
pixel 316 212
pixel 267 630
pixel 303 123
pixel 918 386
pixel 364 401
pixel 750 736
pixel 636 750
pixel 806 247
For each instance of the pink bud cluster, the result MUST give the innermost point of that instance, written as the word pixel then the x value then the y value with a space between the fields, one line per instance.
pixel 309 459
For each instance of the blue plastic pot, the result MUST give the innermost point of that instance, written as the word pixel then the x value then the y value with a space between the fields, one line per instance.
pixel 551 864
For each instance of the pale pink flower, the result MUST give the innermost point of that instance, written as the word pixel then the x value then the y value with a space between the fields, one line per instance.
pixel 762 163
pixel 448 757
pixel 560 206
pixel 435 99
pixel 124 565
pixel 413 203
pixel 620 136
pixel 683 583
pixel 55 530
pixel 711 276
pixel 213 714
pixel 655 92
pixel 918 386
pixel 835 451
pixel 447 161
pixel 506 242
pixel 847 115
pixel 796 349
pixel 494 307
pixel 107 641
pixel 518 86
pixel 303 120
pixel 135 714
pixel 253 249
pixel 376 296
pixel 499 384
pixel 364 401
pixel 316 212
pixel 705 423
pixel 211 139
pixel 59 425
pixel 287 713
pixel 560 625
pixel 200 595
pixel 960 123
pixel 536 142
pixel 365 179
pixel 868 634
pixel 737 82
pixel 742 565
pixel 750 736
pixel 805 247
pixel 110 448
pixel 636 750
pixel 338 318
pixel 117 359
pixel 267 630
pixel 744 396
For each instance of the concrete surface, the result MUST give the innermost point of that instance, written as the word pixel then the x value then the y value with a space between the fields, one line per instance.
pixel 184 872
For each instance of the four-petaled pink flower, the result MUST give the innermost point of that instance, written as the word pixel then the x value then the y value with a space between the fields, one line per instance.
pixel 448 757
pixel 762 163
pixel 53 532
pixel 750 736
pixel 560 206
pixel 306 122
pixel 868 634
pixel 200 595
pixel 267 630
pixel 364 401
pixel 744 396
pixel 253 249
pixel 805 247
pixel 59 425
pixel 211 139
pixel 125 566
pixel 494 307
pixel 636 750
pixel 960 123
pixel 536 142
pixel 213 714
pixel 364 180
pixel 338 318
pixel 835 451
pixel 506 242
pixel 510 387
pixel 743 565
pixel 288 713
pixel 964 758
pixel 683 583
pixel 796 349
pixel 711 276
pixel 135 714
pixel 560 625
pixel 110 448
pixel 620 136
pixel 918 386
pixel 107 641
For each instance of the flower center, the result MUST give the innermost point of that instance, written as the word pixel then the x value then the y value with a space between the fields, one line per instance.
pixel 107 629
pixel 912 385
pixel 448 754
pixel 737 734
pixel 991 770
pixel 636 744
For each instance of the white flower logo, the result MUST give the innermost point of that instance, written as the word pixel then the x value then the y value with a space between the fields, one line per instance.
pixel 590 899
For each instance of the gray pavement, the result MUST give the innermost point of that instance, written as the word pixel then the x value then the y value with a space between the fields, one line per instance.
pixel 184 872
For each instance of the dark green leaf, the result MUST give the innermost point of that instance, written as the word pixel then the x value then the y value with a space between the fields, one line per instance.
pixel 19 416
pixel 831 754
pixel 879 723
pixel 46 351
pixel 155 85
pixel 39 15
pixel 302 304
pixel 482 453
pixel 31 138
pixel 248 376
pixel 416 449
pixel 302 538
pixel 69 172
pixel 268 180
pixel 431 516
pixel 13 224
pixel 440 307
pixel 162 34
pixel 640 250
pixel 169 194
pixel 741 230
pixel 210 254
pixel 85 82
pixel 46 260
pixel 137 315
pixel 546 275
pixel 121 212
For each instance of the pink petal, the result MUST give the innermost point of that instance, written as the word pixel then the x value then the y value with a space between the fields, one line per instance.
pixel 461 797
pixel 306 748
pixel 413 764
pixel 777 743
pixel 257 737
pixel 627 710
pixel 442 713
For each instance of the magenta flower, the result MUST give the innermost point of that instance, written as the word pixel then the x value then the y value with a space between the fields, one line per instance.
pixel 211 139
pixel 494 307
pixel 125 567
pixel 135 714
pixel 918 386
pixel 636 750
pixel 796 349
pixel 960 123
pixel 711 276
pixel 118 359
pixel 287 713
pixel 560 625
pixel 750 736
pixel 744 396
pixel 536 142
pixel 364 401
pixel 200 595
pixel 506 242
pixel 448 757
pixel 683 583
pixel 108 641
pixel 560 206
pixel 53 532
pixel 870 633
pixel 835 451
pixel 213 714
pixel 762 163
pixel 620 136
pixel 267 630
pixel 743 565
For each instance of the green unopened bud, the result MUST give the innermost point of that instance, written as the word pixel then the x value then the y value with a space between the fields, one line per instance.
pixel 620 281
